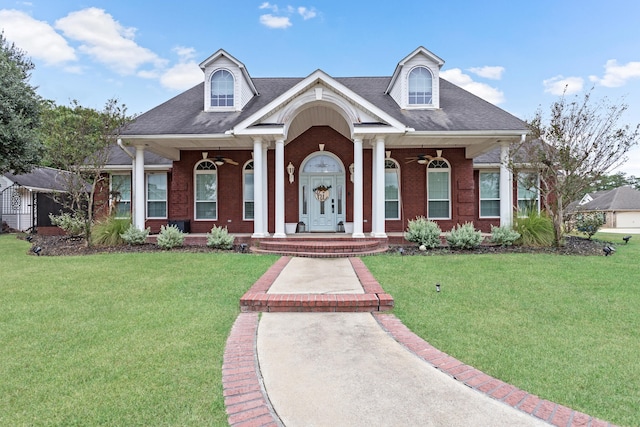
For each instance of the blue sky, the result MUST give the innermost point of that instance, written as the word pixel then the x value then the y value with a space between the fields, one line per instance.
pixel 520 55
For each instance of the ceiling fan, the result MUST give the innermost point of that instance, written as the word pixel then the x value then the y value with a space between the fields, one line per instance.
pixel 423 159
pixel 219 160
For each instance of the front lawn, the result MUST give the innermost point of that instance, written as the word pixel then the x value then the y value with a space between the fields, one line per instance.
pixel 117 339
pixel 566 328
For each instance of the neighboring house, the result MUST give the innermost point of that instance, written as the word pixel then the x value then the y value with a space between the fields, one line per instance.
pixel 621 206
pixel 260 155
pixel 27 200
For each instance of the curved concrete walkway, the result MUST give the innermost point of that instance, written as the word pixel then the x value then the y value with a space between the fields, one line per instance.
pixel 360 369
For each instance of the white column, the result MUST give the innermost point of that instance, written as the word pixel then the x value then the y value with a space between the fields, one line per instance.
pixel 374 191
pixel 279 181
pixel 506 187
pixel 265 190
pixel 258 200
pixel 378 195
pixel 358 190
pixel 139 193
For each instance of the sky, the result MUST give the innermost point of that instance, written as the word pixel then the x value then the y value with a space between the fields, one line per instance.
pixel 519 55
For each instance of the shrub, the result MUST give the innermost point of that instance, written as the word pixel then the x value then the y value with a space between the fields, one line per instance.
pixel 134 236
pixel 219 238
pixel 71 223
pixel 589 222
pixel 107 231
pixel 536 229
pixel 423 232
pixel 170 237
pixel 504 236
pixel 464 236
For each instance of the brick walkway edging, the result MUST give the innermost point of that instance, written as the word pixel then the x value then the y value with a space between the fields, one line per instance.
pixel 553 413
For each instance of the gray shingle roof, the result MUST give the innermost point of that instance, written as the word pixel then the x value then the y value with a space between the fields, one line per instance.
pixel 43 178
pixel 459 110
pixel 618 199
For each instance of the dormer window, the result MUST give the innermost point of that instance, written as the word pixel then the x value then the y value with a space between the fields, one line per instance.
pixel 222 89
pixel 420 86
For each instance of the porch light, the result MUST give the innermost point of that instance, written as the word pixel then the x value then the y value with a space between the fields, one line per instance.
pixel 219 161
pixel 352 167
pixel 608 250
pixel 290 170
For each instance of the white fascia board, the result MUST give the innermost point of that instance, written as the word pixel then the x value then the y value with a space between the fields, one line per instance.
pixel 125 168
pixel 260 130
pixel 308 82
pixel 377 130
pixel 486 166
pixel 130 139
pixel 470 133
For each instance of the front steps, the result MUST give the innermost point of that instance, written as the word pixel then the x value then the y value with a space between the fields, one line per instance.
pixel 308 245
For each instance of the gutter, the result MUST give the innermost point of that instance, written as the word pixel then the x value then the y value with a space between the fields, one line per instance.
pixel 121 145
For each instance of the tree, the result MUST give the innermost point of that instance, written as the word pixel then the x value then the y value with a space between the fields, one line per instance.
pixel 77 139
pixel 609 182
pixel 19 111
pixel 580 143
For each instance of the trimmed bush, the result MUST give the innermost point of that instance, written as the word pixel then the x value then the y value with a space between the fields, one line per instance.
pixel 107 231
pixel 170 237
pixel 219 238
pixel 72 224
pixel 504 236
pixel 536 229
pixel 134 236
pixel 589 222
pixel 464 236
pixel 423 232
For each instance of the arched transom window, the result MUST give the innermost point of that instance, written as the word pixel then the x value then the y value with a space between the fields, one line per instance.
pixel 206 190
pixel 439 189
pixel 222 88
pixel 420 86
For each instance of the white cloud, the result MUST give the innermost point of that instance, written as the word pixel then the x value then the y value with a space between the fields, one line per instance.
pixel 306 13
pixel 185 53
pixel 484 91
pixel 271 21
pixel 559 85
pixel 182 76
pixel 488 72
pixel 617 75
pixel 107 41
pixel 37 38
pixel 267 5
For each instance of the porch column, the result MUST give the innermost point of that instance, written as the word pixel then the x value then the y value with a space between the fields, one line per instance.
pixel 358 190
pixel 265 191
pixel 258 200
pixel 374 191
pixel 506 187
pixel 378 229
pixel 138 190
pixel 279 181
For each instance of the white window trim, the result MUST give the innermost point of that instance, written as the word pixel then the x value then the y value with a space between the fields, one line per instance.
pixel 407 103
pixel 396 170
pixel 537 189
pixel 195 189
pixel 448 189
pixel 165 200
pixel 235 92
pixel 480 194
pixel 130 190
pixel 246 171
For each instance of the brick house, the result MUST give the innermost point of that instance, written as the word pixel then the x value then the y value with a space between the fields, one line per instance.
pixel 355 154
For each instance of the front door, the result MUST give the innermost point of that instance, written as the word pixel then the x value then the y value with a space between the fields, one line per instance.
pixel 322 212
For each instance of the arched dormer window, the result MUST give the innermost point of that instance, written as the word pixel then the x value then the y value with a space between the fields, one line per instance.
pixel 391 189
pixel 222 89
pixel 439 189
pixel 420 86
pixel 206 190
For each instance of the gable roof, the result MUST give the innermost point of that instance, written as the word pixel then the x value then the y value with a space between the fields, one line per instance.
pixel 459 110
pixel 420 50
pixel 619 199
pixel 42 179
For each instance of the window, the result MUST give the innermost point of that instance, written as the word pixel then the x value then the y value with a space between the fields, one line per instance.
pixel 248 192
pixel 391 190
pixel 206 189
pixel 157 195
pixel 438 206
pixel 121 195
pixel 222 87
pixel 489 194
pixel 420 87
pixel 528 200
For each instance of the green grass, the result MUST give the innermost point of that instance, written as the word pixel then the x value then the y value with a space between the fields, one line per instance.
pixel 117 339
pixel 566 328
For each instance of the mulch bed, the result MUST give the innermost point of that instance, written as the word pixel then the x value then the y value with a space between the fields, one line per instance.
pixel 65 245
